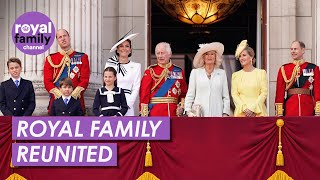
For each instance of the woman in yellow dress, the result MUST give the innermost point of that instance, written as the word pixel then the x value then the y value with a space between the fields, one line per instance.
pixel 249 86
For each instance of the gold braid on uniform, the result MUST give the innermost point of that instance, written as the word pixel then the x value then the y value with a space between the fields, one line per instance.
pixel 144 110
pixel 158 78
pixel 56 92
pixel 295 72
pixel 64 62
pixel 76 93
pixel 317 108
pixel 279 109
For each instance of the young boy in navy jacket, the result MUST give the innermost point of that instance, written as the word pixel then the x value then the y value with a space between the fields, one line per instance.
pixel 17 97
pixel 66 105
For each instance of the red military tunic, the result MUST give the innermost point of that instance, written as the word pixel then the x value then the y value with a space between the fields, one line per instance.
pixel 79 73
pixel 301 95
pixel 151 83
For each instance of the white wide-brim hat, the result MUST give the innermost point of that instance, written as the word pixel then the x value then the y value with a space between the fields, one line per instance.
pixel 198 60
pixel 123 39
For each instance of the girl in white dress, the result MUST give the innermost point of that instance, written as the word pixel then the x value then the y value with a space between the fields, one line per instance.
pixel 128 72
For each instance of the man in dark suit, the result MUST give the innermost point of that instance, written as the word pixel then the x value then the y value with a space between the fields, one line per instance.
pixel 17 97
pixel 66 105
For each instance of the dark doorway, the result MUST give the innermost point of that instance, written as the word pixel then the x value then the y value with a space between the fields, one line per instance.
pixel 184 38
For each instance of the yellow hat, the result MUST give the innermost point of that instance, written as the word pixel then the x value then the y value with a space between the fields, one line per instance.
pixel 240 48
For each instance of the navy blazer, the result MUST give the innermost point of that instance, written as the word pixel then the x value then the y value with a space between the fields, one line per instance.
pixel 59 108
pixel 17 101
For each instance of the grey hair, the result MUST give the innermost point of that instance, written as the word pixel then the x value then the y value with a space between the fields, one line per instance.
pixel 165 45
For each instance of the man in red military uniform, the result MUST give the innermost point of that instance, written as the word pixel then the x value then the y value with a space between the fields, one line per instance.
pixel 163 86
pixel 66 63
pixel 298 86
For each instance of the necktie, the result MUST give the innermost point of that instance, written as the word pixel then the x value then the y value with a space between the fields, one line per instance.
pixel 17 83
pixel 65 101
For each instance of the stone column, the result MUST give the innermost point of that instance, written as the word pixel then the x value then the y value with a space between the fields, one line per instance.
pixel 289 20
pixel 3 40
pixel 120 16
pixel 82 18
pixel 282 32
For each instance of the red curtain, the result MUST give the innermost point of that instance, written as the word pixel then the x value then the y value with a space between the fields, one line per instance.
pixel 200 148
pixel 5 147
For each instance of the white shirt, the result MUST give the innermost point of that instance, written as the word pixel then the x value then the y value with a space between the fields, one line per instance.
pixel 14 80
pixel 66 97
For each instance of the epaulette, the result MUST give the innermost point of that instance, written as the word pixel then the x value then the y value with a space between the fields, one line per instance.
pixel 286 64
pixel 177 66
pixel 79 52
pixel 151 66
pixel 50 55
pixel 53 53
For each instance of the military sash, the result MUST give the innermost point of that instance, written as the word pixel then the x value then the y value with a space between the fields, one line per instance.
pixel 75 60
pixel 165 87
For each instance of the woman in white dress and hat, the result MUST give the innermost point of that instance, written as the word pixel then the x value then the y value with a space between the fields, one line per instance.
pixel 208 85
pixel 128 72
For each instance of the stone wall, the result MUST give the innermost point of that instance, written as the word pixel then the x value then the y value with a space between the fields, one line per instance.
pixel 289 20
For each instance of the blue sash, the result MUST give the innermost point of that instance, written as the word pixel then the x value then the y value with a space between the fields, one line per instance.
pixel 75 60
pixel 165 87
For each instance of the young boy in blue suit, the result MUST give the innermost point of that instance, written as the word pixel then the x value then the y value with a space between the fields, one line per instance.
pixel 17 97
pixel 66 105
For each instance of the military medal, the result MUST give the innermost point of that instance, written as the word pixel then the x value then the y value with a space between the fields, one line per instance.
pixel 307 72
pixel 177 84
pixel 174 90
pixel 72 75
pixel 311 79
pixel 76 69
